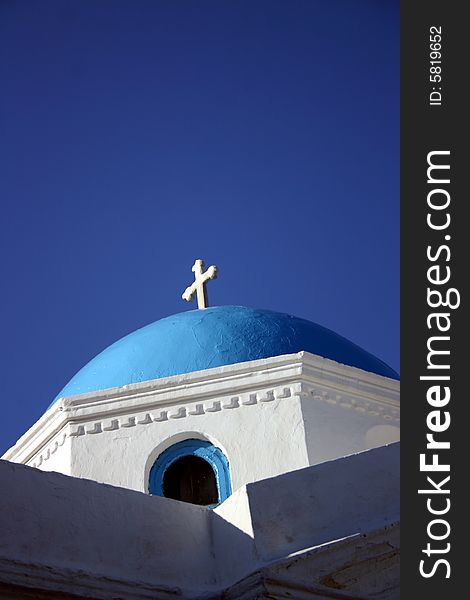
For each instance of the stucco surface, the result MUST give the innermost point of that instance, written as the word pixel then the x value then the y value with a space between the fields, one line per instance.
pixel 51 522
pixel 201 339
pixel 331 433
pixel 65 522
pixel 259 441
pixel 268 417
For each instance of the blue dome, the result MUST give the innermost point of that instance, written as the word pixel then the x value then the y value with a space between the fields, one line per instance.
pixel 223 335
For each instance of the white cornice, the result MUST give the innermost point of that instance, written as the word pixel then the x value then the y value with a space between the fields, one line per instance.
pixel 220 388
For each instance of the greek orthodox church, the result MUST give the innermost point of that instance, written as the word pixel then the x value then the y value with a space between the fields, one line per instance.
pixel 219 453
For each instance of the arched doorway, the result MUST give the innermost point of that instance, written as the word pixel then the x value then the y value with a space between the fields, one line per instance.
pixel 192 471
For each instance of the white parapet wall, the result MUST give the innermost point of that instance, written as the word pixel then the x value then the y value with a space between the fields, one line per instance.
pixel 308 508
pixel 77 536
pixel 74 526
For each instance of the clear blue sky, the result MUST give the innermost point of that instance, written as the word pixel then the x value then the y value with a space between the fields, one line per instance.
pixel 138 135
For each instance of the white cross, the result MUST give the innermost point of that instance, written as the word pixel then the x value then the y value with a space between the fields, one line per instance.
pixel 199 284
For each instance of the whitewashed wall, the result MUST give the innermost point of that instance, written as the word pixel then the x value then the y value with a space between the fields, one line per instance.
pixel 78 536
pixel 269 417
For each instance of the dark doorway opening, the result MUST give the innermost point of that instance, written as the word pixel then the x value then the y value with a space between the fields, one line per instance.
pixel 191 479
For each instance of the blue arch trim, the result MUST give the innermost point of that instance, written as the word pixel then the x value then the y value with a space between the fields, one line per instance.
pixel 192 447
